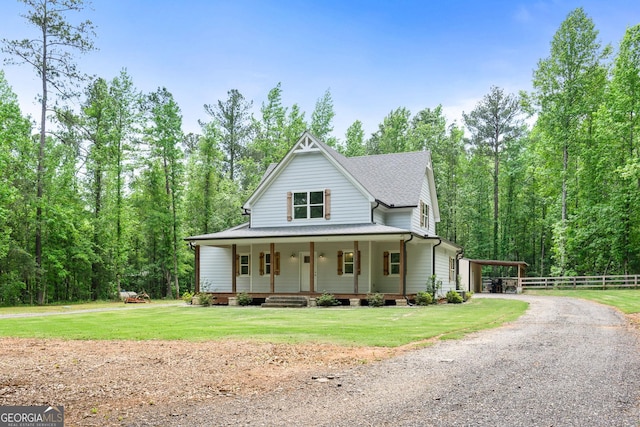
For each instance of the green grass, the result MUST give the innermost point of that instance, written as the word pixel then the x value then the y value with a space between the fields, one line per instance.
pixel 365 326
pixel 627 300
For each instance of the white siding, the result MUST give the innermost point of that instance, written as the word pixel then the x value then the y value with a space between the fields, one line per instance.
pixel 442 269
pixel 310 172
pixel 215 269
pixel 400 219
pixel 419 267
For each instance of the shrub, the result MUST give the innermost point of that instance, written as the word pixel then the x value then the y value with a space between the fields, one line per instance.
pixel 205 299
pixel 327 300
pixel 453 297
pixel 433 286
pixel 467 296
pixel 187 296
pixel 424 298
pixel 244 298
pixel 375 300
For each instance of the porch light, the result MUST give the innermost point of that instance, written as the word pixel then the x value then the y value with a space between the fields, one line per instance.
pixel 322 255
pixel 293 255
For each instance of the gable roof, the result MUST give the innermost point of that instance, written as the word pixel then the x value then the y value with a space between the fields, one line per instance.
pixel 394 180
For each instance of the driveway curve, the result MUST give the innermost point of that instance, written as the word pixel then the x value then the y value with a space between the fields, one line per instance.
pixel 565 362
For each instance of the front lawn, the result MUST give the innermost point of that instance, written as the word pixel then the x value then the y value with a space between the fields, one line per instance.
pixel 363 326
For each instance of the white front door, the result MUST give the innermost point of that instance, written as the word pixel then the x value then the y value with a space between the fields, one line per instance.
pixel 305 271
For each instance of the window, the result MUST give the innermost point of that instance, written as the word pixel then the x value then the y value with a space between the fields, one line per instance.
pixel 394 263
pixel 308 204
pixel 347 262
pixel 244 265
pixel 267 263
pixel 424 214
pixel 452 269
pixel 391 263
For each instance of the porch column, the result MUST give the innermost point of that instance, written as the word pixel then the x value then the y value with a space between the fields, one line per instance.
pixel 356 263
pixel 197 258
pixel 312 267
pixel 402 267
pixel 234 273
pixel 272 273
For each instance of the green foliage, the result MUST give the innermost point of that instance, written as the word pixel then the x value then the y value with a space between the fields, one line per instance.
pixel 327 300
pixel 244 299
pixel 424 298
pixel 468 295
pixel 434 286
pixel 453 297
pixel 375 300
pixel 187 297
pixel 204 298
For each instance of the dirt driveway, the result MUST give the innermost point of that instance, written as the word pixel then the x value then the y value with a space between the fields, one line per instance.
pixel 565 362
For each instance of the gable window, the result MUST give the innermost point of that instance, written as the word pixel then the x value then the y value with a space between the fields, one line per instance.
pixel 424 214
pixel 309 205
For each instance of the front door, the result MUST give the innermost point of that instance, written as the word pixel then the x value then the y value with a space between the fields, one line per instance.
pixel 305 270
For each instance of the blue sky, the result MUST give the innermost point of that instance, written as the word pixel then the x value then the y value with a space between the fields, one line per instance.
pixel 374 56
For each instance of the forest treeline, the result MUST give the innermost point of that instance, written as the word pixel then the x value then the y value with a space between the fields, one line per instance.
pixel 99 198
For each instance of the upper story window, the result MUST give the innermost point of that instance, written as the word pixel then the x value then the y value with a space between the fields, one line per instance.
pixel 424 214
pixel 309 204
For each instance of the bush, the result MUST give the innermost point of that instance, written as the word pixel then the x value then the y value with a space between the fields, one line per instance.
pixel 204 298
pixel 327 300
pixel 375 300
pixel 244 298
pixel 424 298
pixel 467 296
pixel 187 296
pixel 453 297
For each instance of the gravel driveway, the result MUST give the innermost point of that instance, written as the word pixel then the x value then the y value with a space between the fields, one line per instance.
pixel 566 362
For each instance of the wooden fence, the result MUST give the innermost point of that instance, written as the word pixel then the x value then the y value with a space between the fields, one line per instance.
pixel 580 282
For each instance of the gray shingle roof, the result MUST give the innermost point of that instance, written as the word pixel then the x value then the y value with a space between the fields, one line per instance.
pixel 394 179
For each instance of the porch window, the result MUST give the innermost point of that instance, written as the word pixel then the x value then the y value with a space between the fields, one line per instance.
pixel 394 263
pixel 266 264
pixel 347 263
pixel 309 204
pixel 243 262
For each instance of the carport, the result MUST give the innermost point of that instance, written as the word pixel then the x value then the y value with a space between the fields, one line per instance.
pixel 471 274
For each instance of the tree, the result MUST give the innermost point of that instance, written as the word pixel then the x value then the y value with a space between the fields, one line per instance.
pixel 322 118
pixel 494 123
pixel 50 55
pixel 164 137
pixel 234 118
pixel 566 93
pixel 392 135
pixel 354 145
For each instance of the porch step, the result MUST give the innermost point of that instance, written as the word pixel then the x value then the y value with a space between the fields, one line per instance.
pixel 286 301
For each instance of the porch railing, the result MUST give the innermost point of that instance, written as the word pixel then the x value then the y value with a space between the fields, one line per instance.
pixel 580 282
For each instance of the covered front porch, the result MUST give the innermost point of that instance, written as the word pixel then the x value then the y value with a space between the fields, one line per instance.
pixel 350 265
